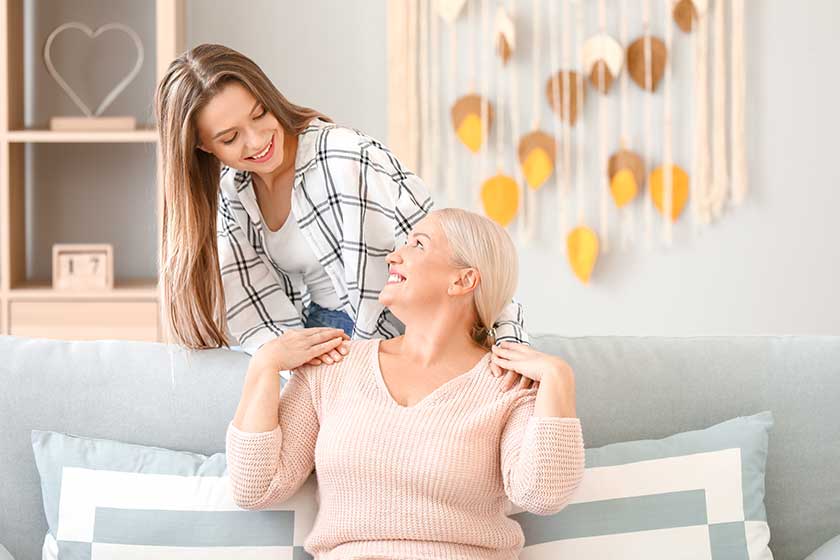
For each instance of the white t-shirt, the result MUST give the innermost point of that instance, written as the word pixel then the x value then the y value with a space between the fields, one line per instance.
pixel 289 249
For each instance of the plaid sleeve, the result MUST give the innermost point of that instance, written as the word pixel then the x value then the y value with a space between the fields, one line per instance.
pixel 413 201
pixel 510 325
pixel 256 304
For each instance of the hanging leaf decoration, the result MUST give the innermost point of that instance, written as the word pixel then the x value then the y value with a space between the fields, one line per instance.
pixel 500 196
pixel 679 186
pixel 582 250
pixel 449 10
pixel 602 52
pixel 686 12
pixel 636 61
pixel 557 105
pixel 627 173
pixel 505 35
pixel 537 151
pixel 466 119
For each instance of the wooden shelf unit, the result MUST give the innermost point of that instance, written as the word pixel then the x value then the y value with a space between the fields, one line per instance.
pixel 33 308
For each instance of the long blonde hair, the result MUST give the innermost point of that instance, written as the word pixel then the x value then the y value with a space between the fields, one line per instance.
pixel 192 299
pixel 479 242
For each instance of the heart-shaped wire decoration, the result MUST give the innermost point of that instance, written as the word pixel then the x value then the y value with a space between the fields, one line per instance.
pixel 93 35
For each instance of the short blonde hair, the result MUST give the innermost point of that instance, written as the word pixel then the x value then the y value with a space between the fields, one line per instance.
pixel 479 242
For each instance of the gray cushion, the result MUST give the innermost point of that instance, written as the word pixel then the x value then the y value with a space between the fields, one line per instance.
pixel 629 388
pixel 828 551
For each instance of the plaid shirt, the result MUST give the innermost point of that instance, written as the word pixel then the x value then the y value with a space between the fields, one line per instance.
pixel 354 204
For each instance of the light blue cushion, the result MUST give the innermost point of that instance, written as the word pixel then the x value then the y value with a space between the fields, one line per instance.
pixel 697 494
pixel 828 551
pixel 100 493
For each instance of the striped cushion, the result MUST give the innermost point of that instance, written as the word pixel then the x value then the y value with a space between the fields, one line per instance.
pixel 695 496
pixel 105 499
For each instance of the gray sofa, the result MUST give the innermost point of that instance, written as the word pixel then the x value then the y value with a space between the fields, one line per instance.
pixel 628 388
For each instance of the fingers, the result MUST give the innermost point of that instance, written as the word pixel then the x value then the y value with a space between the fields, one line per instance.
pixel 314 362
pixel 525 382
pixel 495 370
pixel 521 349
pixel 322 334
pixel 510 380
pixel 507 353
pixel 501 362
pixel 318 350
pixel 331 357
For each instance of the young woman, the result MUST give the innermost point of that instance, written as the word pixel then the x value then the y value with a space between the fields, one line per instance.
pixel 416 446
pixel 275 219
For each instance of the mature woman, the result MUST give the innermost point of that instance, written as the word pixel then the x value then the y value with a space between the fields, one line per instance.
pixel 416 445
pixel 275 219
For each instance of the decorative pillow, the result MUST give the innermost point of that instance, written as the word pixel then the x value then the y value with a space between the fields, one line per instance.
pixel 107 499
pixel 694 495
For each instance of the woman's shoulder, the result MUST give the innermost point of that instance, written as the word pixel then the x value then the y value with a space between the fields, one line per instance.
pixel 357 358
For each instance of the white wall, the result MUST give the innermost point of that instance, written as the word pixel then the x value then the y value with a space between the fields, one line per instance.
pixel 770 267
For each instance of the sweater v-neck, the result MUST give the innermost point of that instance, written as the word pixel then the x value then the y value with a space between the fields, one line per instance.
pixel 436 395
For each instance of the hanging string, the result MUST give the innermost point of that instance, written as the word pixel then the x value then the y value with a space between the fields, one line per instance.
pixel 475 167
pixel 627 212
pixel 603 131
pixel 667 133
pixel 558 131
pixel 452 173
pixel 720 181
pixel 485 93
pixel 648 119
pixel 567 131
pixel 525 233
pixel 434 112
pixel 700 160
pixel 500 128
pixel 580 171
pixel 425 134
pixel 471 53
pixel 739 155
pixel 413 97
pixel 529 224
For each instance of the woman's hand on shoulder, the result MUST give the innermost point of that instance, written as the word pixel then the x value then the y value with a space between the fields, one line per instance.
pixel 526 365
pixel 297 347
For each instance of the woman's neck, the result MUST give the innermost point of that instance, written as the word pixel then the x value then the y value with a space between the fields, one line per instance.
pixel 436 346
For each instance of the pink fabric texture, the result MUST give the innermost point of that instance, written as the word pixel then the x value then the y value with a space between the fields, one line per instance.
pixel 428 481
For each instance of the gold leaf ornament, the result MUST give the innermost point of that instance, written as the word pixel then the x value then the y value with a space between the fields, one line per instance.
pixel 536 152
pixel 582 249
pixel 679 189
pixel 500 196
pixel 466 119
pixel 627 173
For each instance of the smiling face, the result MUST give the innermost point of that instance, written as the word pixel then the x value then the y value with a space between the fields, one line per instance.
pixel 240 131
pixel 422 274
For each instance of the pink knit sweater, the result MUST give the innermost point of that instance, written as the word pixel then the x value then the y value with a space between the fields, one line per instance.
pixel 426 481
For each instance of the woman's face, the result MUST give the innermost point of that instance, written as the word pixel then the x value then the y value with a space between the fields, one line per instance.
pixel 422 274
pixel 236 128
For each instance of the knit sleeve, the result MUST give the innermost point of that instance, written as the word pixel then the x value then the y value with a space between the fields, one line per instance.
pixel 542 458
pixel 269 467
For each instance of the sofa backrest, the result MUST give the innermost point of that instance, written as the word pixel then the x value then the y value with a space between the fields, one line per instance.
pixel 627 388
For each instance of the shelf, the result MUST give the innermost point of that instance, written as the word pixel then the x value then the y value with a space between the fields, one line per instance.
pixel 142 289
pixel 62 136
